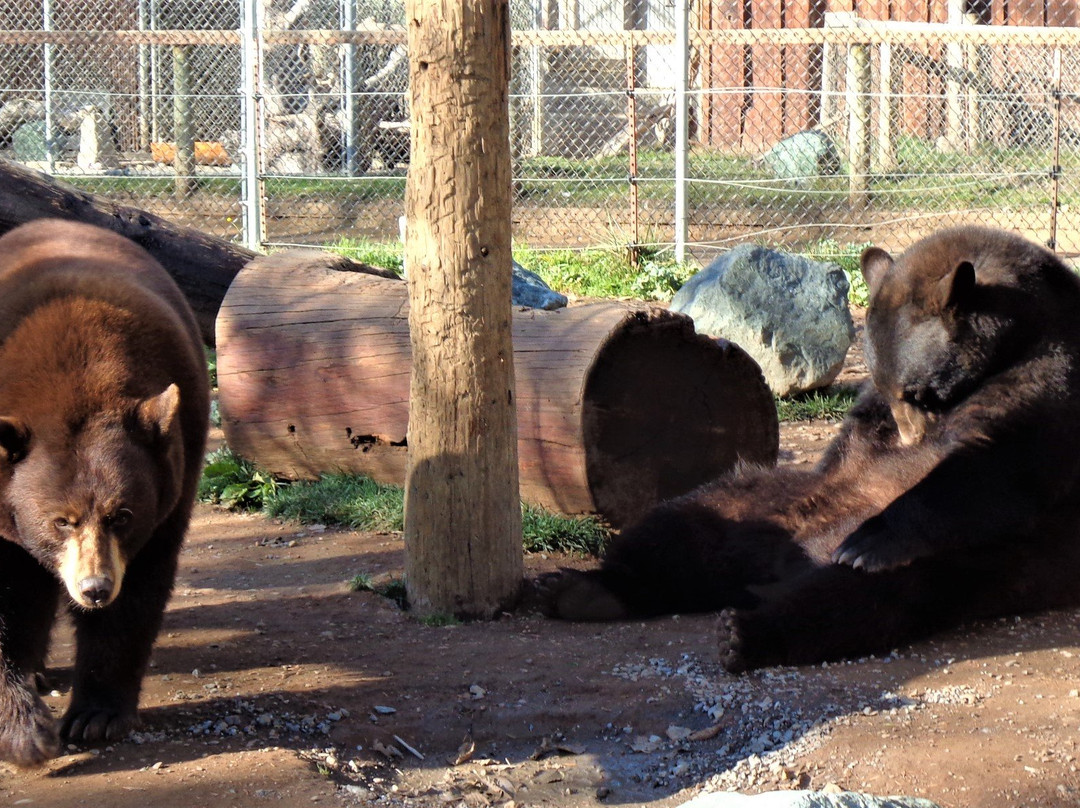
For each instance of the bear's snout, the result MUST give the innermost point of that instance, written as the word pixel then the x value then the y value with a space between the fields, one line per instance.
pixel 96 590
pixel 93 568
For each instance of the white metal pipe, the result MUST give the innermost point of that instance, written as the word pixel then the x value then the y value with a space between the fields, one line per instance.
pixel 348 23
pixel 47 60
pixel 682 129
pixel 144 80
pixel 155 79
pixel 251 194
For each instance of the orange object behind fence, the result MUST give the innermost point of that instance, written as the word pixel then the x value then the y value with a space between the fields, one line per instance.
pixel 207 153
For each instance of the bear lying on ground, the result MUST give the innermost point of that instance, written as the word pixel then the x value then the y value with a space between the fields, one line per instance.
pixel 104 406
pixel 952 492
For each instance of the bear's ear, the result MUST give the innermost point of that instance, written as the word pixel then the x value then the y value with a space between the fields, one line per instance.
pixel 958 286
pixel 14 440
pixel 876 264
pixel 157 414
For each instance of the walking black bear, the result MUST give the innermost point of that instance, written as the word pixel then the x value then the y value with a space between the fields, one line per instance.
pixel 104 406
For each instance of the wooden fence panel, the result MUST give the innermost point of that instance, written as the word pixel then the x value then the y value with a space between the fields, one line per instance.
pixel 764 122
pixel 723 71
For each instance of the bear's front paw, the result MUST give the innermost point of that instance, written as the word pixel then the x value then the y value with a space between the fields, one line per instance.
pixel 28 734
pixel 580 596
pixel 873 548
pixel 94 724
pixel 730 642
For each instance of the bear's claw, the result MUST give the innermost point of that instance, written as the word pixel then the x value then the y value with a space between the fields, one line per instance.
pixel 96 724
pixel 730 642
pixel 28 734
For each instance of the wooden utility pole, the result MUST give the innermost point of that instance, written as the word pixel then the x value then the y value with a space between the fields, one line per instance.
pixel 462 512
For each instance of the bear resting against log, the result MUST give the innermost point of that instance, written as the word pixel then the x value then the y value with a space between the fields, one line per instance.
pixel 952 492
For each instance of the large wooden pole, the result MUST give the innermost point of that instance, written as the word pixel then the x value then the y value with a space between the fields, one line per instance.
pixel 462 512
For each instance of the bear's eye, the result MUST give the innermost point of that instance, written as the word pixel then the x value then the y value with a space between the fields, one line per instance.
pixel 118 519
pixel 64 523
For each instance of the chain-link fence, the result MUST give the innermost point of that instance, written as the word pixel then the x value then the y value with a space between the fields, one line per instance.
pixel 801 122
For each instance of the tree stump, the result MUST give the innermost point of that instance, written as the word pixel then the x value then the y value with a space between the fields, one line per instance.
pixel 619 405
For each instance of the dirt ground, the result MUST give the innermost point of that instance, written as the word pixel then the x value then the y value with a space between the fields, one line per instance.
pixel 273 684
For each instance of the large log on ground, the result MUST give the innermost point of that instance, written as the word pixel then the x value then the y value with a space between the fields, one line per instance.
pixel 202 265
pixel 618 405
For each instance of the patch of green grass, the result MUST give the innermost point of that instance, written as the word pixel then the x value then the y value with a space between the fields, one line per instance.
pixel 440 620
pixel 362 582
pixel 160 186
pixel 586 273
pixel 360 503
pixel 392 588
pixel 606 273
pixel 347 189
pixel 349 500
pixel 545 532
pixel 817 405
pixel 211 366
pixel 377 254
pixel 845 256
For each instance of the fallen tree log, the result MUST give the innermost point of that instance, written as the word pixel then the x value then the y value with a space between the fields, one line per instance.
pixel 202 265
pixel 618 405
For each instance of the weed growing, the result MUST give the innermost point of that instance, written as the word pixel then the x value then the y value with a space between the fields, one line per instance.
pixel 235 483
pixel 391 588
pixel 830 404
pixel 374 253
pixel 545 532
pixel 845 256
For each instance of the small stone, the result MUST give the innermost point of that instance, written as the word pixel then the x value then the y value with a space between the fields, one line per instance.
pixel 678 733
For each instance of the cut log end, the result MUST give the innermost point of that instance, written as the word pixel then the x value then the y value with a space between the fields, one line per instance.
pixel 666 410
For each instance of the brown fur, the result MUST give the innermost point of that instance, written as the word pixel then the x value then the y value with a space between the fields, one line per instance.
pixel 952 493
pixel 103 416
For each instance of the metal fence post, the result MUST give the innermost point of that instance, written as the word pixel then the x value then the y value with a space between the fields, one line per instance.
pixel 251 192
pixel 47 60
pixel 682 128
pixel 348 20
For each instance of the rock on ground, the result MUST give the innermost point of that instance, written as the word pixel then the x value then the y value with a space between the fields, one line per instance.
pixel 805 799
pixel 788 312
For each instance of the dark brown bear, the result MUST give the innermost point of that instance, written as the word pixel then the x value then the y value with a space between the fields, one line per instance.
pixel 952 492
pixel 103 416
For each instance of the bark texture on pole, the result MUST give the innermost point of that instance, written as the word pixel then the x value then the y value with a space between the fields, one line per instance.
pixel 462 512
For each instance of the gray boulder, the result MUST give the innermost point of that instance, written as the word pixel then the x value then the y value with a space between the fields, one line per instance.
pixel 788 312
pixel 529 290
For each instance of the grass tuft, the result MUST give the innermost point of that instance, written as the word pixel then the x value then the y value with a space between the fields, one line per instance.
pixel 847 257
pixel 546 532
pixel 831 404
pixel 375 253
pixel 360 503
pixel 349 500
pixel 391 588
